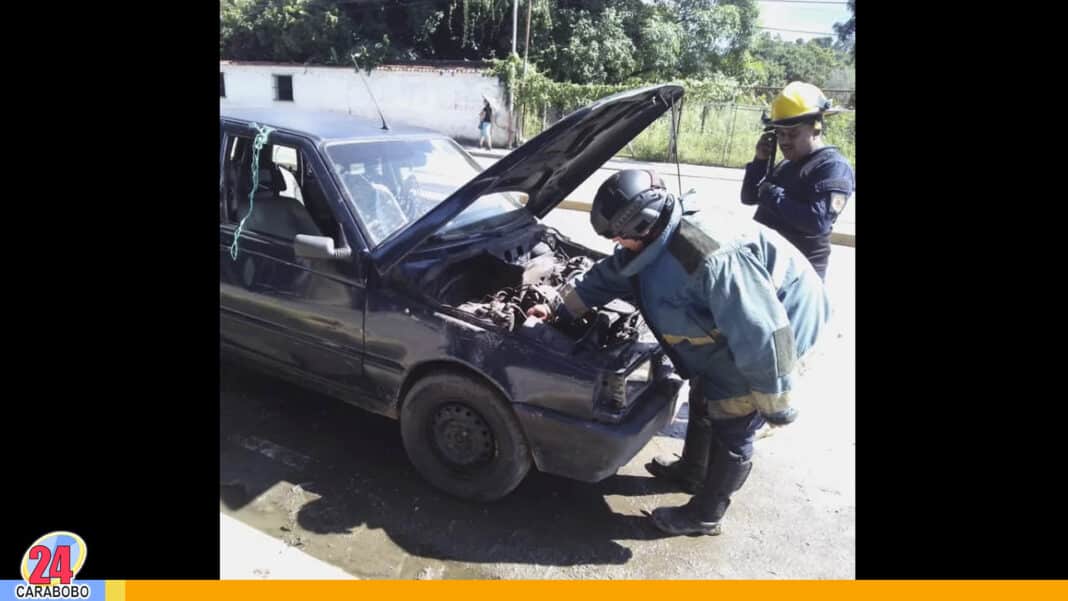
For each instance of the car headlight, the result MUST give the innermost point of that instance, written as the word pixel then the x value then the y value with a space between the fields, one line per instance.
pixel 619 391
pixel 641 374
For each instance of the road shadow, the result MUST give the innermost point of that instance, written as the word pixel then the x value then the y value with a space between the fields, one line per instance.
pixel 355 468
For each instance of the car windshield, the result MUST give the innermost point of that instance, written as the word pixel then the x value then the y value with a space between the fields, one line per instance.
pixel 393 183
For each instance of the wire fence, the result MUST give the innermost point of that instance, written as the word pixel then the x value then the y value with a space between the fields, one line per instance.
pixel 712 133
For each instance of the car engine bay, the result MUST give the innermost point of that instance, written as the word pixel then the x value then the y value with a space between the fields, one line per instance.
pixel 499 282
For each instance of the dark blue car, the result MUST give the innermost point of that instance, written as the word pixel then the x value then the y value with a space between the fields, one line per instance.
pixel 386 268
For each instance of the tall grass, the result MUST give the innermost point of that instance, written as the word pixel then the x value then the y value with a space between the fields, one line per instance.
pixel 719 134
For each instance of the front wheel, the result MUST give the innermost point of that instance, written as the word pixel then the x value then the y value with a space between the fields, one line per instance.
pixel 463 438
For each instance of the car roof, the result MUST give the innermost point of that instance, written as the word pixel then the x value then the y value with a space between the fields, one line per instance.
pixel 323 125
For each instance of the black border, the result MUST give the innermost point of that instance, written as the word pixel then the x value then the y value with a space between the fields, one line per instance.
pixel 957 475
pixel 113 286
pixel 113 319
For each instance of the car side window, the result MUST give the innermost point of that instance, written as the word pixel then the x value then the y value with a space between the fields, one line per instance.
pixel 286 201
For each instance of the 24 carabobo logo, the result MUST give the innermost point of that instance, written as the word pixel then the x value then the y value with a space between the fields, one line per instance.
pixel 49 567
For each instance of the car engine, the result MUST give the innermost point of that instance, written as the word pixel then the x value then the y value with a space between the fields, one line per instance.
pixel 542 277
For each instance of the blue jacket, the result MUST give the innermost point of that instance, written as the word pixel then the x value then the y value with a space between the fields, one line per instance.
pixel 732 302
pixel 803 199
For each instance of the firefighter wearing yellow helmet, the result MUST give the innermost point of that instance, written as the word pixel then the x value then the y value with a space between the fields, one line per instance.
pixel 802 196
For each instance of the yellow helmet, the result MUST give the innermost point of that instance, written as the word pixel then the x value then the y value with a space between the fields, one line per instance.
pixel 798 103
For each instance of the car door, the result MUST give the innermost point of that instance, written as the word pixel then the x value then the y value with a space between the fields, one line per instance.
pixel 301 314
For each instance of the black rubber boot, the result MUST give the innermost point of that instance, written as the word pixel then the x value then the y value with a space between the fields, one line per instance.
pixel 702 515
pixel 689 470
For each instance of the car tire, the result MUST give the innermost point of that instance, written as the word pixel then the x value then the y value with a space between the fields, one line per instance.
pixel 463 438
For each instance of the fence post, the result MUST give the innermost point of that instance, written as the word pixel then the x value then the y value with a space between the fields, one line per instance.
pixel 730 137
pixel 523 123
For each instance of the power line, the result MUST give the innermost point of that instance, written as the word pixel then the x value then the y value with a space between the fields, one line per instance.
pixel 802 2
pixel 798 31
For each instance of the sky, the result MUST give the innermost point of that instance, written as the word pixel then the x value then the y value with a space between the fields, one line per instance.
pixel 805 17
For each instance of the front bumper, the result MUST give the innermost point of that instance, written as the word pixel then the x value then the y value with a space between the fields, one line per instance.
pixel 591 451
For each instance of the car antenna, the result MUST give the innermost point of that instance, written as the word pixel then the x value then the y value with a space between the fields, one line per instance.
pixel 385 126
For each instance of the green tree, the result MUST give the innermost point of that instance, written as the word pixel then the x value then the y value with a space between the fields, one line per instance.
pixel 314 31
pixel 422 20
pixel 589 41
pixel 784 62
pixel 330 31
pixel 716 35
pixel 659 46
pixel 590 48
pixel 847 32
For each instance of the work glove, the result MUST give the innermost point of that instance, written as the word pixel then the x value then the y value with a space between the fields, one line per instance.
pixel 781 418
pixel 768 192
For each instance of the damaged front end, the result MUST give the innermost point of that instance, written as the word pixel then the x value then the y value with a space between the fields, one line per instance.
pixel 497 283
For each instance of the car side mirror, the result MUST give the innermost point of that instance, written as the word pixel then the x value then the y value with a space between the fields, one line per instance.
pixel 321 247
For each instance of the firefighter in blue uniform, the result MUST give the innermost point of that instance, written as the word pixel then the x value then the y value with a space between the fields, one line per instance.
pixel 802 196
pixel 732 303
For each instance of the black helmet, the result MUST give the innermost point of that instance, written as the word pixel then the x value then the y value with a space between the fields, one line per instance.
pixel 628 204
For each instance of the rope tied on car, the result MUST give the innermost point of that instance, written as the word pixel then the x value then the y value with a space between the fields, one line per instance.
pixel 257 145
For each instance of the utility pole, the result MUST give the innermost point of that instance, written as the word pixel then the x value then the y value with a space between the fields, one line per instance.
pixel 526 53
pixel 515 23
pixel 526 46
pixel 511 93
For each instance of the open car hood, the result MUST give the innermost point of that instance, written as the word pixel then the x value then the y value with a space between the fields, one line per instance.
pixel 548 167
